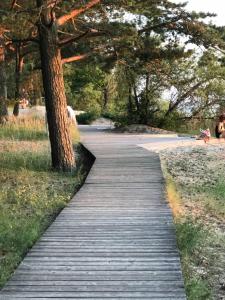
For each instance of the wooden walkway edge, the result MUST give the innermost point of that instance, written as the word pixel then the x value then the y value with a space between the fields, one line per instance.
pixel 116 238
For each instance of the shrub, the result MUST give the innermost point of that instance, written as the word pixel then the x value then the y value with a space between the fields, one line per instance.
pixel 109 115
pixel 86 118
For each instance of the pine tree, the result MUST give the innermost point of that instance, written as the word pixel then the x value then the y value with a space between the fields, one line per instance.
pixel 122 31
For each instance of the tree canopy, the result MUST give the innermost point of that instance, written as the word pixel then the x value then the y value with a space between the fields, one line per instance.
pixel 126 54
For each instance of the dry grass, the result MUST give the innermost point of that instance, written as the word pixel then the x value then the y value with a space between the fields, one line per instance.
pixel 31 194
pixel 24 128
pixel 30 129
pixel 172 193
pixel 196 191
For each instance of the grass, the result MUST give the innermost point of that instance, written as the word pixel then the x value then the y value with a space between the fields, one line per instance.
pixel 192 240
pixel 28 129
pixel 196 240
pixel 31 194
pixel 214 199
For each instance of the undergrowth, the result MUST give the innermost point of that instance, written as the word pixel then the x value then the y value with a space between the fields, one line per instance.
pixel 193 239
pixel 31 194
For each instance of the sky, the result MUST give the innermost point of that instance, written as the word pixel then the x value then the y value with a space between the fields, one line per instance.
pixel 212 6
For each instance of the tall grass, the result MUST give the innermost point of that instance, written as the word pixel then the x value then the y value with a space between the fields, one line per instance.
pixel 192 240
pixel 31 195
pixel 24 128
pixel 30 129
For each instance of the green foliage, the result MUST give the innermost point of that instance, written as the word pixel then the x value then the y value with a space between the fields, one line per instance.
pixel 31 196
pixel 192 238
pixel 189 236
pixel 150 61
pixel 84 87
pixel 198 289
pixel 174 121
pixel 123 120
pixel 78 77
pixel 86 118
pixel 143 54
pixel 90 99
pixel 109 115
pixel 26 160
pixel 214 198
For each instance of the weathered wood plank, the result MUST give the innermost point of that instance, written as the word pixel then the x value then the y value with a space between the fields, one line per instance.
pixel 116 238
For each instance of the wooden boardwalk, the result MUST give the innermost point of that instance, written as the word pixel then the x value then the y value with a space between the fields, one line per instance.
pixel 116 238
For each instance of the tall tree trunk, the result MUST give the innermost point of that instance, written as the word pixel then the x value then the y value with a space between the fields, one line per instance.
pixel 105 98
pixel 136 99
pixel 18 72
pixel 3 84
pixel 130 104
pixel 146 101
pixel 55 98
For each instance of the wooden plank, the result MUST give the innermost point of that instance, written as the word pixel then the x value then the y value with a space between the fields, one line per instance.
pixel 116 238
pixel 120 287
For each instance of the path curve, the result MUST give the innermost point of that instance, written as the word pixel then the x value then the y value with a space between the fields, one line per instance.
pixel 116 238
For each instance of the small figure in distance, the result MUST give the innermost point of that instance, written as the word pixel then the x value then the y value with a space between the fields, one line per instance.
pixel 220 127
pixel 205 135
pixel 24 103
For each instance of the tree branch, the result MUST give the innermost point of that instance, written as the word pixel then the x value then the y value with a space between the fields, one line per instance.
pixel 72 39
pixel 13 4
pixel 87 34
pixel 83 56
pixel 163 24
pixel 184 97
pixel 76 12
pixel 34 40
pixel 75 58
pixel 207 105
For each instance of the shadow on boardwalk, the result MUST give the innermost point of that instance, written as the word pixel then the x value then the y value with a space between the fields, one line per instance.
pixel 115 240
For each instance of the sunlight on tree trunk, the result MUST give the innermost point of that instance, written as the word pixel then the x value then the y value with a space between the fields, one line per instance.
pixel 55 98
pixel 18 72
pixel 3 86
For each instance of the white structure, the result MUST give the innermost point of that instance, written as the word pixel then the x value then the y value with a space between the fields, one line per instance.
pixel 71 115
pixel 40 112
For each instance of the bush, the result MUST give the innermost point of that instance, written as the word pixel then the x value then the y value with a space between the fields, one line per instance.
pixel 86 118
pixel 109 115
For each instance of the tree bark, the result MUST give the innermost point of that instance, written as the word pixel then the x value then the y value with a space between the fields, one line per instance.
pixel 105 98
pixel 3 84
pixel 55 98
pixel 136 99
pixel 130 104
pixel 146 101
pixel 18 72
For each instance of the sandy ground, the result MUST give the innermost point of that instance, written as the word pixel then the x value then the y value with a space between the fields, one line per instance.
pixel 197 169
pixel 103 122
pixel 184 143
